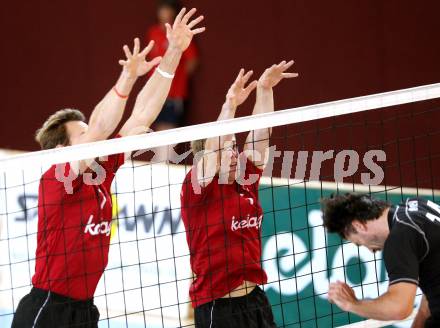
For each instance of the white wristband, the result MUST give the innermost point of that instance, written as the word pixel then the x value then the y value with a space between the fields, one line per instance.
pixel 164 74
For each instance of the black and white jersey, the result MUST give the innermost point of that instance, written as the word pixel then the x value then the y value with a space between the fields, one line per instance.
pixel 412 249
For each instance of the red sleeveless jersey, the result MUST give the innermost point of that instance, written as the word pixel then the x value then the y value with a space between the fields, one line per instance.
pixel 73 231
pixel 223 225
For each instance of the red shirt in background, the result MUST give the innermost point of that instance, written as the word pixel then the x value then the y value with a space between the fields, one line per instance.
pixel 223 226
pixel 73 236
pixel 179 87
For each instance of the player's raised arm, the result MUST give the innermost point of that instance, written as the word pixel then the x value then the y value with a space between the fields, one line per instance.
pixel 108 113
pixel 150 100
pixel 64 128
pixel 258 140
pixel 209 163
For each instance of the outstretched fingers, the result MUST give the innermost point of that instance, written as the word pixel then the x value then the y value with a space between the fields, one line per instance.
pixel 179 17
pixel 184 18
pixel 242 78
pixel 137 46
pixel 246 77
pixel 127 52
pixel 289 75
pixel 187 17
pixel 168 29
pixel 289 64
pixel 251 87
pixel 198 30
pixel 196 21
pixel 147 49
pixel 239 76
pixel 156 61
pixel 282 67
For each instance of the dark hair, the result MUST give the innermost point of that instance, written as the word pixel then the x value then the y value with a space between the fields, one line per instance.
pixel 53 132
pixel 341 210
pixel 174 4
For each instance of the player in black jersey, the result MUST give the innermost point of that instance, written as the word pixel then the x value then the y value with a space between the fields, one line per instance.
pixel 409 235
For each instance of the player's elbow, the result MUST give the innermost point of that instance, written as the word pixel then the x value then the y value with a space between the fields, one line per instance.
pixel 143 118
pixel 403 311
pixel 99 130
pixel 400 300
pixel 101 125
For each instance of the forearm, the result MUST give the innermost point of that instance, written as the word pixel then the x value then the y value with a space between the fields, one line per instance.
pixel 258 140
pixel 108 113
pixel 385 308
pixel 153 95
pixel 209 160
pixel 263 104
pixel 209 164
pixel 228 112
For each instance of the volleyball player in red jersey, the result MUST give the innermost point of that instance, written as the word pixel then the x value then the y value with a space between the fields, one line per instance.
pixel 74 217
pixel 223 216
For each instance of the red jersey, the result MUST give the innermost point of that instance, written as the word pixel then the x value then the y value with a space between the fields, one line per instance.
pixel 73 231
pixel 223 225
pixel 179 86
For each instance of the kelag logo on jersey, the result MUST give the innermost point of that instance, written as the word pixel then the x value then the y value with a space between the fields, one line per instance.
pixel 248 222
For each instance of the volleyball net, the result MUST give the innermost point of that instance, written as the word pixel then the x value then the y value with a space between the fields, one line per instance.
pixel 383 144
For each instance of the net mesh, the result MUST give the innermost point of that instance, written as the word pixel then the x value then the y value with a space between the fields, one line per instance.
pixel 147 279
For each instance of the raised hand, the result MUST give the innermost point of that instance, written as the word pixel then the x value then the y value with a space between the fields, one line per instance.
pixel 181 33
pixel 342 295
pixel 238 93
pixel 274 74
pixel 135 64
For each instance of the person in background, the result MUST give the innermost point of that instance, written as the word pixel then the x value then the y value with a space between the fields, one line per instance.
pixel 172 112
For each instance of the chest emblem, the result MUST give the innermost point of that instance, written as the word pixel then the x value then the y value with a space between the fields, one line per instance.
pixel 249 222
pixel 94 229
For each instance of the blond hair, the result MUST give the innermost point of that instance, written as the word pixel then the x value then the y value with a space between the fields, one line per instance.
pixel 53 132
pixel 198 145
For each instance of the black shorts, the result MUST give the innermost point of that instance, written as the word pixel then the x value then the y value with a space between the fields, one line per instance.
pixel 250 311
pixel 432 323
pixel 41 309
